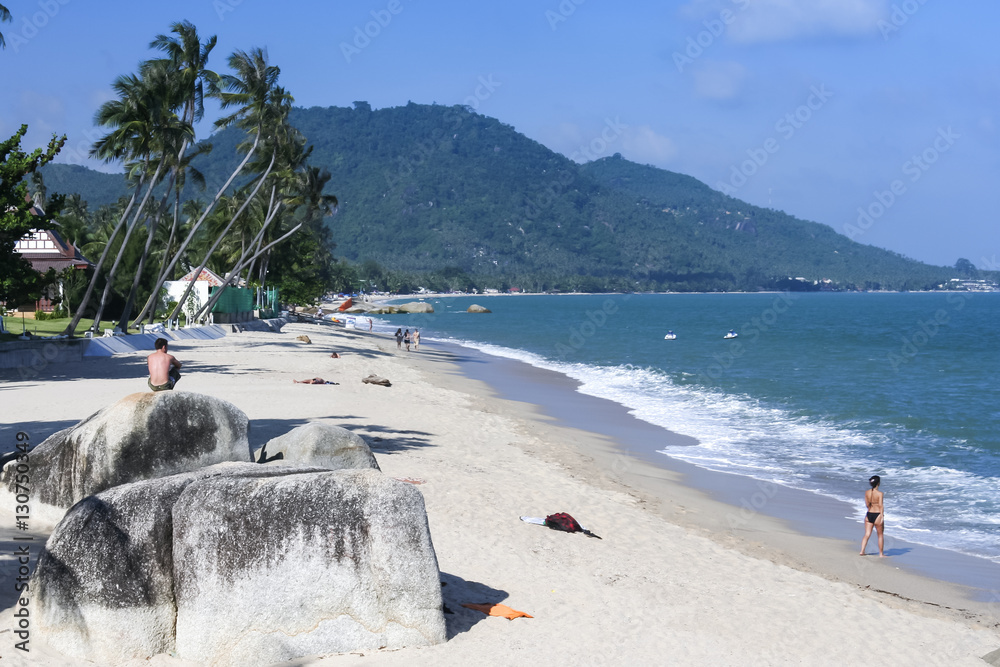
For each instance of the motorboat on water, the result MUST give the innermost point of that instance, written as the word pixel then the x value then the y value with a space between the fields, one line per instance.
pixel 670 336
pixel 732 334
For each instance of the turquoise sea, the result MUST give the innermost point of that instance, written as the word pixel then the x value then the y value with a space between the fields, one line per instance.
pixel 818 392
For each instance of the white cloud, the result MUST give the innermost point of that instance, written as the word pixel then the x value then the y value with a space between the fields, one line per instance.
pixel 719 80
pixel 644 145
pixel 756 21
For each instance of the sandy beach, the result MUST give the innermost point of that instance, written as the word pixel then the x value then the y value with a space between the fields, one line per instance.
pixel 678 578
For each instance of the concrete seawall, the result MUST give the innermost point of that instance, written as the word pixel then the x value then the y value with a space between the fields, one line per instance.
pixel 31 356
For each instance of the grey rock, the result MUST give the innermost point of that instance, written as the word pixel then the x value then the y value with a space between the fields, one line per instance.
pixel 104 584
pixel 322 445
pixel 240 564
pixel 476 308
pixel 273 569
pixel 143 436
pixel 415 307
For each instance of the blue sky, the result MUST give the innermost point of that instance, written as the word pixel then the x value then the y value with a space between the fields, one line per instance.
pixel 876 117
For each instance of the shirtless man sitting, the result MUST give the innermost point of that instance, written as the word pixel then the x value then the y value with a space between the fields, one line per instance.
pixel 164 369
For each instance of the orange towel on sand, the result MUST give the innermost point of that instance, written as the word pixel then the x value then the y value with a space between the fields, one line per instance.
pixel 498 610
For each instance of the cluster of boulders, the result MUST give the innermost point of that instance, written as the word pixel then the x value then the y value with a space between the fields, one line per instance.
pixel 176 540
pixel 386 309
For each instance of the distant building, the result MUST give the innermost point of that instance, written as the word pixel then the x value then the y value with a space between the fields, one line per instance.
pixel 45 249
pixel 206 279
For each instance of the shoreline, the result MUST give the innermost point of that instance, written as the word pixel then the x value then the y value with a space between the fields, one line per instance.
pixel 669 581
pixel 925 573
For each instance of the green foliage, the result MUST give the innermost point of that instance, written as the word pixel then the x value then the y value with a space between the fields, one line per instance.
pixel 56 314
pixel 19 283
pixel 447 199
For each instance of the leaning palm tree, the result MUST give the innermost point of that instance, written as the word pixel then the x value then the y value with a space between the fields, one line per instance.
pixel 262 111
pixel 147 131
pixel 251 90
pixel 306 203
pixel 184 75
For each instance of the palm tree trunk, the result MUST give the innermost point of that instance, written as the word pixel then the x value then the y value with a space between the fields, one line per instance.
pixel 194 229
pixel 218 240
pixel 71 327
pixel 233 274
pixel 122 249
pixel 130 301
pixel 218 293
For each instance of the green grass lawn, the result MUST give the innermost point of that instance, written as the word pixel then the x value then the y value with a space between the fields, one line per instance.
pixel 12 324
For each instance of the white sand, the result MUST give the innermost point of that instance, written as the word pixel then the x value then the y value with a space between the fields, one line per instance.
pixel 666 584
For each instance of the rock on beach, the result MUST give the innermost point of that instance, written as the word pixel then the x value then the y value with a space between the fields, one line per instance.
pixel 142 436
pixel 322 445
pixel 241 564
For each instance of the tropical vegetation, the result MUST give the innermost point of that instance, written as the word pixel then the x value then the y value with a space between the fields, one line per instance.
pixel 162 225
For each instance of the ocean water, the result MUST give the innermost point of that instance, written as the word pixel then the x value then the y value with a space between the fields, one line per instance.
pixel 818 391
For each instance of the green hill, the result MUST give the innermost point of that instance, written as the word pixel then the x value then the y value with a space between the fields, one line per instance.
pixel 429 188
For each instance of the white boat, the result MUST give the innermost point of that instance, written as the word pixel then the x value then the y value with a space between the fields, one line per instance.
pixel 670 336
pixel 732 334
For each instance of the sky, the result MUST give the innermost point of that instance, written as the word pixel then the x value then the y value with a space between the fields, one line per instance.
pixel 875 117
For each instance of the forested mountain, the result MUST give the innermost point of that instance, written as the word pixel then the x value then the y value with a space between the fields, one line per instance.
pixel 455 199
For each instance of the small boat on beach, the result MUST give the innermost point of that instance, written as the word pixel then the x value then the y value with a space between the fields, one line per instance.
pixel 732 334
pixel 670 336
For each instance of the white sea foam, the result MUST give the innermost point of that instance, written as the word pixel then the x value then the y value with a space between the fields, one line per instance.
pixel 931 505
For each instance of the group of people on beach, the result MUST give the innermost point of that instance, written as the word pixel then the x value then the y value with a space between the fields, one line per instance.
pixel 406 337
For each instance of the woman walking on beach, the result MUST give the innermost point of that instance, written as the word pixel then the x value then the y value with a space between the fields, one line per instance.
pixel 399 338
pixel 875 516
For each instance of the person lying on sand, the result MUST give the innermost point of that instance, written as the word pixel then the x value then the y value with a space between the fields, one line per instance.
pixel 314 381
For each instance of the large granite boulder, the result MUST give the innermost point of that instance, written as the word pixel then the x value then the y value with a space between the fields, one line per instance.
pixel 476 308
pixel 142 436
pixel 277 568
pixel 321 445
pixel 415 307
pixel 104 584
pixel 240 564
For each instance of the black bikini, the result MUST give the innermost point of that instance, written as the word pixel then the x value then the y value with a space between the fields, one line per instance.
pixel 872 516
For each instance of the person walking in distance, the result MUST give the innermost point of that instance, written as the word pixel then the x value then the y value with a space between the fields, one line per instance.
pixel 875 515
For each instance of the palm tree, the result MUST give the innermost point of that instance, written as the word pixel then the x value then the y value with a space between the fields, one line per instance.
pixel 262 105
pixel 145 127
pixel 182 76
pixel 305 197
pixel 4 18
pixel 251 90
